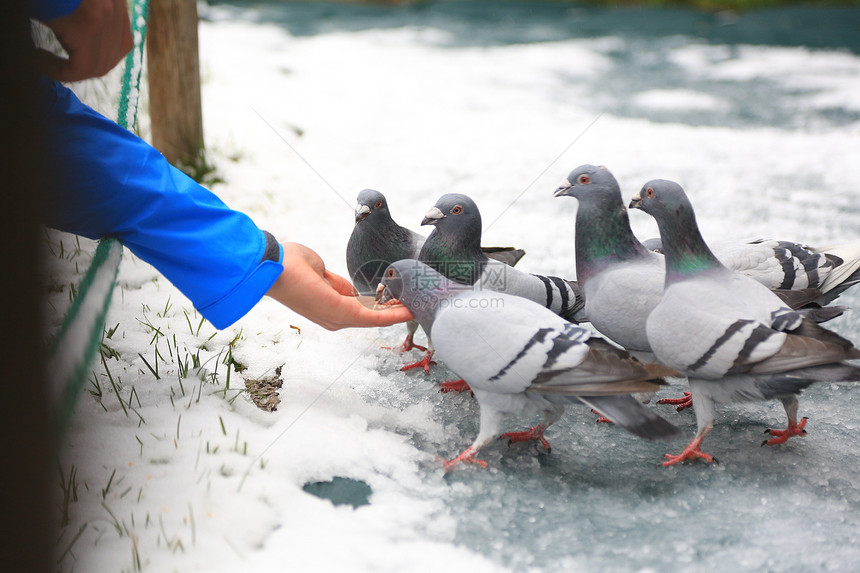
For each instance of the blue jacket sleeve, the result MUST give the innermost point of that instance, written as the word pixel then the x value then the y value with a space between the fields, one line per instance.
pixel 49 9
pixel 106 182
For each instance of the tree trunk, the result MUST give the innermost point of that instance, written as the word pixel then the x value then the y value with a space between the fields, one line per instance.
pixel 174 80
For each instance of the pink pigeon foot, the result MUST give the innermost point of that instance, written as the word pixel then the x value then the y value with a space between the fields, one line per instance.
pixel 468 456
pixel 533 433
pixel 783 435
pixel 408 345
pixel 602 419
pixel 692 452
pixel 454 386
pixel 423 363
pixel 682 403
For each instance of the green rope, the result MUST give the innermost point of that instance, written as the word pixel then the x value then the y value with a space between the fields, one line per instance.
pixel 133 66
pixel 70 356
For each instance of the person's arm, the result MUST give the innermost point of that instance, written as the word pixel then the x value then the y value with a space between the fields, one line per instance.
pixel 324 297
pixel 96 36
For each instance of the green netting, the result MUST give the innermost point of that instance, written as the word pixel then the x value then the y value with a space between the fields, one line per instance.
pixel 78 340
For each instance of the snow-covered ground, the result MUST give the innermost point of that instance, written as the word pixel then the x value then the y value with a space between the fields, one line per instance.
pixel 173 473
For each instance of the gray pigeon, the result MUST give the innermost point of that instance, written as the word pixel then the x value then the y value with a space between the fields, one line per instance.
pixel 453 249
pixel 729 334
pixel 622 280
pixel 377 241
pixel 787 267
pixel 518 357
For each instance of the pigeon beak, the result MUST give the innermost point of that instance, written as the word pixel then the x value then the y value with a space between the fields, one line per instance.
pixel 383 295
pixel 636 202
pixel 433 216
pixel 563 188
pixel 361 212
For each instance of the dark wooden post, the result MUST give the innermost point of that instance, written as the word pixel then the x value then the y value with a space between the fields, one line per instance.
pixel 174 80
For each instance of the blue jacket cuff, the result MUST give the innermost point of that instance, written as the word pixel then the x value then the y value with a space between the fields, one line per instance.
pixel 239 301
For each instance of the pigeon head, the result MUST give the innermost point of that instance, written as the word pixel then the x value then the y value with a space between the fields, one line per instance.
pixel 685 249
pixel 417 286
pixel 370 203
pixel 454 212
pixel 454 246
pixel 603 235
pixel 590 184
pixel 661 198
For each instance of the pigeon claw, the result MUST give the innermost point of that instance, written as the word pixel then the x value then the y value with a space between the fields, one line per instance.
pixel 468 456
pixel 454 386
pixel 691 452
pixel 533 433
pixel 601 419
pixel 423 363
pixel 782 436
pixel 681 403
pixel 408 345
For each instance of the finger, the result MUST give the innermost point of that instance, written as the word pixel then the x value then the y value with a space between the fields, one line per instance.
pixel 389 316
pixel 384 316
pixel 340 284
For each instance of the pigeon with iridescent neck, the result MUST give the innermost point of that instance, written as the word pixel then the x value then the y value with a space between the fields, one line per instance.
pixel 730 335
pixel 789 268
pixel 518 357
pixel 622 280
pixel 453 249
pixel 377 241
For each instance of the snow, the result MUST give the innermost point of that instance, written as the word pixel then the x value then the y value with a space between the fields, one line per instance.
pixel 184 473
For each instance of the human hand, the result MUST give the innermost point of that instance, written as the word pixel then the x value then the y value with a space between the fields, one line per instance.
pixel 96 36
pixel 324 297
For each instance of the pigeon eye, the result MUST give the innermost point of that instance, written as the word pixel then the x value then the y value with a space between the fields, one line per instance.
pixel 584 180
pixel 457 209
pixel 390 273
pixel 378 205
pixel 649 192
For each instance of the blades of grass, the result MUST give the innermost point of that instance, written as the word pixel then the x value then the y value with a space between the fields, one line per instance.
pixel 72 542
pixel 115 389
pixel 193 525
pixel 107 487
pixel 116 523
pixel 157 377
pixel 109 333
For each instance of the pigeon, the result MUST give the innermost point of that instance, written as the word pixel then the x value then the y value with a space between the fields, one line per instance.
pixel 518 357
pixel 453 249
pixel 622 279
pixel 377 241
pixel 787 266
pixel 732 337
